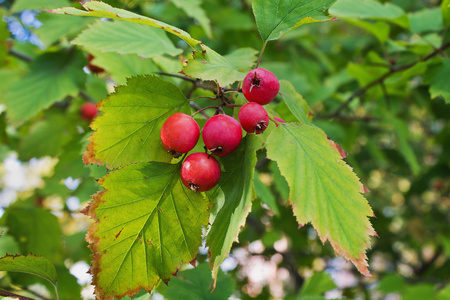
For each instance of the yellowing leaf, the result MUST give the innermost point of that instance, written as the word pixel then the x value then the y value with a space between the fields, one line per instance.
pixel 128 131
pixel 323 189
pixel 103 10
pixel 147 224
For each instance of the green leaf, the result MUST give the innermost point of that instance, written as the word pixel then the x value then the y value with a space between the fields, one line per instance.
pixel 323 189
pixel 4 35
pixel 317 284
pixel 128 131
pixel 52 76
pixel 31 264
pixel 437 78
pixel 195 284
pixel 124 66
pixel 369 9
pixel 232 200
pixel 147 225
pixel 379 29
pixel 243 59
pixel 56 27
pixel 266 196
pixel 103 10
pixel 419 292
pixel 7 244
pixel 20 5
pixel 276 18
pixel 392 283
pixel 444 293
pixel 294 101
pixel 210 65
pixel 36 230
pixel 402 131
pixel 125 38
pixel 426 20
pixel 193 9
pixel 56 131
pixel 445 7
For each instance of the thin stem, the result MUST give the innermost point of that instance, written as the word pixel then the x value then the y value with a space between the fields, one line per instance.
pixel 20 55
pixel 394 69
pixel 233 105
pixel 273 120
pixel 177 76
pixel 204 108
pixel 203 97
pixel 225 90
pixel 87 97
pixel 261 54
pixel 56 291
pixel 12 295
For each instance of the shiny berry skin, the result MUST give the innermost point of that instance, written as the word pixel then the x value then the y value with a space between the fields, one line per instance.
pixel 260 86
pixel 200 172
pixel 179 134
pixel 222 135
pixel 280 120
pixel 253 118
pixel 89 111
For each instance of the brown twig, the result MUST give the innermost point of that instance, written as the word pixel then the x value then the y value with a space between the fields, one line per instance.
pixel 204 108
pixel 20 56
pixel 12 295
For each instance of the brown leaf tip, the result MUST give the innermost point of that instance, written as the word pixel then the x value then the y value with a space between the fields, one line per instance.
pixel 337 147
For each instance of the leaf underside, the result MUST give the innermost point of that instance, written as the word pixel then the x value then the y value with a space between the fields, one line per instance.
pixel 125 38
pixel 147 225
pixel 103 10
pixel 323 189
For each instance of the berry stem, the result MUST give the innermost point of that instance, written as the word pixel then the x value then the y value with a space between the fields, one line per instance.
pixel 204 108
pixel 261 54
pixel 203 97
pixel 225 90
pixel 275 121
pixel 233 105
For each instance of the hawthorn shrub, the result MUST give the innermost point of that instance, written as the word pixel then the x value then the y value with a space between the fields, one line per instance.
pixel 197 152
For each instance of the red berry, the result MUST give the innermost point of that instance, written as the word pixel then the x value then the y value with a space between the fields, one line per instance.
pixel 200 172
pixel 93 68
pixel 179 134
pixel 253 118
pixel 260 86
pixel 222 135
pixel 279 120
pixel 89 111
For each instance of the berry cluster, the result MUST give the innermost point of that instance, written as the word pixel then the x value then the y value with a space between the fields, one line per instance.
pixel 221 134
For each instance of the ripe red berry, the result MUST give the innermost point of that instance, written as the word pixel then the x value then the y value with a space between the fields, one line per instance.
pixel 260 86
pixel 279 120
pixel 253 118
pixel 93 68
pixel 179 134
pixel 200 172
pixel 89 111
pixel 222 135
